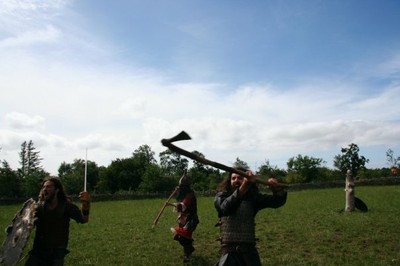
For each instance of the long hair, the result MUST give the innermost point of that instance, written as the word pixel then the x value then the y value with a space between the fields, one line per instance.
pixel 61 195
pixel 225 185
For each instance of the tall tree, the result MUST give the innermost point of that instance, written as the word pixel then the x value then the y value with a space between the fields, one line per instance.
pixel 391 158
pixel 29 159
pixel 240 163
pixel 127 174
pixel 73 175
pixel 154 180
pixel 203 177
pixel 9 180
pixel 350 160
pixel 173 163
pixel 144 154
pixel 30 171
pixel 121 174
pixel 303 168
pixel 268 170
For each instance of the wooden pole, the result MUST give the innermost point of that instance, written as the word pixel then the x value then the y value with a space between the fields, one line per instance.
pixel 163 207
pixel 220 166
pixel 85 181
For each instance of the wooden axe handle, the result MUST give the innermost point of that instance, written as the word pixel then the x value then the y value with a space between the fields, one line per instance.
pixel 203 160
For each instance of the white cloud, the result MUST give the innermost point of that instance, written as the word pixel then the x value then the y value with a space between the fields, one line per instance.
pixel 391 67
pixel 20 15
pixel 113 116
pixel 22 121
pixel 76 95
pixel 49 34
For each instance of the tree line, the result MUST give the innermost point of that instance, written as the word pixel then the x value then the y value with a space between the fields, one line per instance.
pixel 141 172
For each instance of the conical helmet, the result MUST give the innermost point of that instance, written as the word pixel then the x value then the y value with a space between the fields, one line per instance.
pixel 185 180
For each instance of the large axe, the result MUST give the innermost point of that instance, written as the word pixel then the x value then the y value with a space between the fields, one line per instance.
pixel 184 136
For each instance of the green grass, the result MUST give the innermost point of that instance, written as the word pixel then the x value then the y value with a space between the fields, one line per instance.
pixel 309 230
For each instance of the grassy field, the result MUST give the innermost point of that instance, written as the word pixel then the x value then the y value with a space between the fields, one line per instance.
pixel 309 230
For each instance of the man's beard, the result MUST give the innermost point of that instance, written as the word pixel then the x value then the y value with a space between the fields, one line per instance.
pixel 49 197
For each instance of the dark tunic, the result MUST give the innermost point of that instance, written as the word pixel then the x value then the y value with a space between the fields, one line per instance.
pixel 52 226
pixel 52 234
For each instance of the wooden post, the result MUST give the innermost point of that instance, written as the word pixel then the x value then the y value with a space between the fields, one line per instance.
pixel 85 178
pixel 350 191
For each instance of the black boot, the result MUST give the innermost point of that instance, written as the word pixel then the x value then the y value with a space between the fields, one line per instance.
pixel 188 250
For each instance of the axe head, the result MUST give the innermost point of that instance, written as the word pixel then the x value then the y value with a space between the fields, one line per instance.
pixel 181 136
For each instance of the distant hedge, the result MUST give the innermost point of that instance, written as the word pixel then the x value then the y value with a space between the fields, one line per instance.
pixel 125 195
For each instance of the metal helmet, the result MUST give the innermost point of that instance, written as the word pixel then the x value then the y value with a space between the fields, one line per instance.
pixel 185 180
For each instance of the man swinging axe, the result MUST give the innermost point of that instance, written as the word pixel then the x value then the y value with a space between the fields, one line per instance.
pixel 237 202
pixel 184 136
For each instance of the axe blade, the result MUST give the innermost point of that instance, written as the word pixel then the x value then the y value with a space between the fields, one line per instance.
pixel 181 136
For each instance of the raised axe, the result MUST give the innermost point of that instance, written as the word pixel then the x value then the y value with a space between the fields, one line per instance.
pixel 184 136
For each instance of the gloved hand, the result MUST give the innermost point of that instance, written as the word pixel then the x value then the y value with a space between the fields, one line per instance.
pixel 275 186
pixel 179 207
pixel 167 203
pixel 39 204
pixel 84 196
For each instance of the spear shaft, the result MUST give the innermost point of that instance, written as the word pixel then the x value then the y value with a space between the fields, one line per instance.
pixel 163 207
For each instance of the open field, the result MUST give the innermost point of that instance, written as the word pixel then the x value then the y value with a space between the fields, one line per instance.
pixel 308 230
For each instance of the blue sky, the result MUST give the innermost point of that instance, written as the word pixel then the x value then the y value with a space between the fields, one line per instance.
pixel 258 80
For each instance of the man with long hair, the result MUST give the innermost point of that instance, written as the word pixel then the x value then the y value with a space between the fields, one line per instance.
pixel 186 206
pixel 237 201
pixel 53 213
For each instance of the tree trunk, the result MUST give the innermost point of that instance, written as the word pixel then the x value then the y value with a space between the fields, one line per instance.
pixel 350 191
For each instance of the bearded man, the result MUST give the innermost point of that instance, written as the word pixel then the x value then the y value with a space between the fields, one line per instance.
pixel 237 202
pixel 54 211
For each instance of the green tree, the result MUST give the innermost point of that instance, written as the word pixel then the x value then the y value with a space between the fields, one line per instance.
pixel 173 163
pixel 303 169
pixel 29 159
pixel 215 178
pixel 350 160
pixel 121 175
pixel 30 171
pixel 154 180
pixel 128 173
pixel 203 177
pixel 102 184
pixel 240 163
pixel 144 155
pixel 73 175
pixel 9 180
pixel 268 170
pixel 392 160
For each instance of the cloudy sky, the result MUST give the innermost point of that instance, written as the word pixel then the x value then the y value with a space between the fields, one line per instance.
pixel 258 80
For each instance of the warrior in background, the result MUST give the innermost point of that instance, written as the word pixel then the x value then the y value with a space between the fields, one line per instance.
pixel 186 206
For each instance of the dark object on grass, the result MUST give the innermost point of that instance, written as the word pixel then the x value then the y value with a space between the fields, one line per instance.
pixel 360 204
